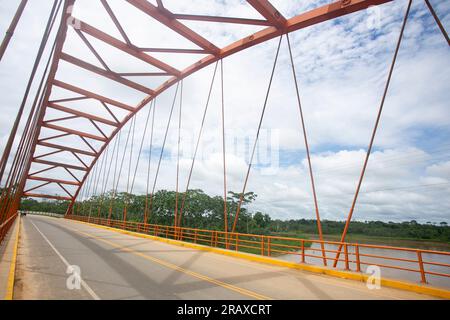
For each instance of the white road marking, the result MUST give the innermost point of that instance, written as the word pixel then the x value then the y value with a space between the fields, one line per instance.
pixel 83 283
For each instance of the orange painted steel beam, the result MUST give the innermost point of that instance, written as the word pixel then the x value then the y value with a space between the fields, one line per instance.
pixel 195 17
pixel 81 114
pixel 174 50
pixel 59 42
pixel 104 73
pixel 116 21
pixel 92 95
pixel 268 11
pixel 61 119
pixel 38 187
pixel 71 183
pixel 48 154
pixel 64 148
pixel 65 190
pixel 174 24
pixel 46 196
pixel 43 170
pixel 329 12
pixel 73 176
pixel 131 50
pixel 312 17
pixel 58 164
pixel 72 131
pixel 54 137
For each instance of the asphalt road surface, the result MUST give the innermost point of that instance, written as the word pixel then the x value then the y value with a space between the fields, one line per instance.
pixel 117 266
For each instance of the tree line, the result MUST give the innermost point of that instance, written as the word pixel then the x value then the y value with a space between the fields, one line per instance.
pixel 207 212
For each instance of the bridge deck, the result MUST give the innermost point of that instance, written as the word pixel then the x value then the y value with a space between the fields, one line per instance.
pixel 118 266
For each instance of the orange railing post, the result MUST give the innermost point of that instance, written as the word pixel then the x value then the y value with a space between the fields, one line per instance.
pixel 422 269
pixel 358 261
pixel 262 245
pixel 270 244
pixel 303 251
pixel 346 257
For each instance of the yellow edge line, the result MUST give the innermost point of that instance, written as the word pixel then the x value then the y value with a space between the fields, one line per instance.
pixel 12 269
pixel 177 268
pixel 397 284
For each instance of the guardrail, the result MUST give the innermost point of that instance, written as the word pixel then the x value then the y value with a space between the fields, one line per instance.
pixel 38 213
pixel 5 226
pixel 353 258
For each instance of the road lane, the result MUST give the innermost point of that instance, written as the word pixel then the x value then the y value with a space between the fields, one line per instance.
pixel 118 266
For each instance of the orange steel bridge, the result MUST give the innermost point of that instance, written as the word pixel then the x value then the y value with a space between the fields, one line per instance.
pixel 49 130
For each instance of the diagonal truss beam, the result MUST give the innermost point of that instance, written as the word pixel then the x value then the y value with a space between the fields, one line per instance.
pixel 163 17
pixel 70 183
pixel 104 73
pixel 276 23
pixel 268 11
pixel 72 131
pixel 92 95
pixel 46 196
pixel 64 148
pixel 131 50
pixel 196 17
pixel 58 164
pixel 81 114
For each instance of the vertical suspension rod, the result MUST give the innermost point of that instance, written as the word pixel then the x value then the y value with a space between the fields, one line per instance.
pixel 308 154
pixel 372 139
pixel 241 199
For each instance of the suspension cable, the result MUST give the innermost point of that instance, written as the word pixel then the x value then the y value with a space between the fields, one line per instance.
pixel 225 209
pixel 121 165
pixel 197 145
pixel 438 21
pixel 127 194
pixel 113 193
pixel 103 178
pixel 241 199
pixel 99 177
pixel 149 163
pixel 178 155
pixel 12 27
pixel 105 185
pixel 47 32
pixel 9 198
pixel 162 150
pixel 363 171
pixel 141 147
pixel 313 187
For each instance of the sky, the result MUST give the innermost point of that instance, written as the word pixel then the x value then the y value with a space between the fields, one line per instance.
pixel 341 67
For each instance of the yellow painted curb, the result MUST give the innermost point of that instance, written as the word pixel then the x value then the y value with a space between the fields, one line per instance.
pixel 397 284
pixel 12 268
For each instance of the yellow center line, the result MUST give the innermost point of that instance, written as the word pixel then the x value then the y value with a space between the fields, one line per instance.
pixel 180 269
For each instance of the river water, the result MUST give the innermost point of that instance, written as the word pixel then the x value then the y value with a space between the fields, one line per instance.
pixel 437 281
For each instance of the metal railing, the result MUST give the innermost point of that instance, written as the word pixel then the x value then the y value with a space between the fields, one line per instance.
pixel 47 214
pixel 5 226
pixel 353 258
